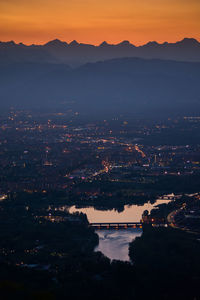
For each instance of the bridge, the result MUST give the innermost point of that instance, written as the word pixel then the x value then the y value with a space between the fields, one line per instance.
pixel 124 225
pixel 116 225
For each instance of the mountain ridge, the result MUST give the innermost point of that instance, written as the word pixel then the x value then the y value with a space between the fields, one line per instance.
pixel 75 53
pixel 129 85
pixel 56 40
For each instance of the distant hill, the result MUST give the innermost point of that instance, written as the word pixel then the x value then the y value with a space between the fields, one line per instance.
pixel 125 85
pixel 75 53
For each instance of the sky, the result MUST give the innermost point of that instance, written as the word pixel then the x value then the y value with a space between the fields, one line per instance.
pixel 93 21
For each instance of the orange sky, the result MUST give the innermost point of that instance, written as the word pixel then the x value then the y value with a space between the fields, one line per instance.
pixel 93 21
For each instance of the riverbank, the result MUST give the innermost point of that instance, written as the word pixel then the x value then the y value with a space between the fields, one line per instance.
pixel 115 243
pixel 47 253
pixel 169 260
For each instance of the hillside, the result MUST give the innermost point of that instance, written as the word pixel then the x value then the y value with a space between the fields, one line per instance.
pixel 129 85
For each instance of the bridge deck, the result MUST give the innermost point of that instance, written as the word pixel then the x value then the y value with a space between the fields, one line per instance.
pixel 116 225
pixel 123 225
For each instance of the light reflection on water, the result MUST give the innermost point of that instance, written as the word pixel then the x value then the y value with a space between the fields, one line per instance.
pixel 115 243
pixel 131 213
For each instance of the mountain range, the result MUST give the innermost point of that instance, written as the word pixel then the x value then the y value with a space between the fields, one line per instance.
pixel 76 54
pixel 121 85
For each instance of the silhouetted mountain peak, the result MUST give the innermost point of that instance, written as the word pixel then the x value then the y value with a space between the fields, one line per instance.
pixel 9 43
pixel 56 43
pixel 189 42
pixel 74 43
pixel 125 43
pixel 152 44
pixel 104 44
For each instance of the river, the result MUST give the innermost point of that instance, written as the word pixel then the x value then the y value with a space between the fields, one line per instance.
pixel 115 243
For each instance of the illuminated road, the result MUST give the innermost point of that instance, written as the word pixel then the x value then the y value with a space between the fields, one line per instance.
pixel 171 219
pixel 139 151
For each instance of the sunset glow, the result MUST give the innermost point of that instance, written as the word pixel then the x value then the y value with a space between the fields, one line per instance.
pixel 93 21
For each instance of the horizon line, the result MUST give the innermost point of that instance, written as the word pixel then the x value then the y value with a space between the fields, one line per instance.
pixel 99 44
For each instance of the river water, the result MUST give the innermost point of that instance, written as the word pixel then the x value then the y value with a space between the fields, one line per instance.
pixel 115 243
